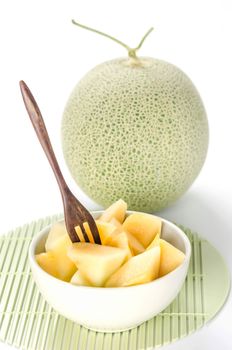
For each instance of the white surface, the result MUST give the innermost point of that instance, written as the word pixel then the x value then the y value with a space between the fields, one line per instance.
pixel 41 46
pixel 96 310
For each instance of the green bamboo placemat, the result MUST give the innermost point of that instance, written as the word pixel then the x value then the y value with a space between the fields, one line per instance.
pixel 28 322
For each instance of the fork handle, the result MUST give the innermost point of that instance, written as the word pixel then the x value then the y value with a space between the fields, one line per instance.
pixel 67 196
pixel 42 134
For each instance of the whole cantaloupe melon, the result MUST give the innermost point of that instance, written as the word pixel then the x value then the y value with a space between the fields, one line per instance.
pixel 135 128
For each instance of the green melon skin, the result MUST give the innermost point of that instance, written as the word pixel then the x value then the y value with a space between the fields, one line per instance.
pixel 136 131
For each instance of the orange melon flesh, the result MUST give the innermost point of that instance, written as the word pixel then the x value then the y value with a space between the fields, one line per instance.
pixel 117 210
pixel 48 263
pixel 105 229
pixel 121 260
pixel 135 246
pixel 58 266
pixel 120 240
pixel 139 269
pixel 143 226
pixel 56 247
pixel 155 242
pixel 79 280
pixel 170 257
pixel 56 235
pixel 96 262
pixel 116 223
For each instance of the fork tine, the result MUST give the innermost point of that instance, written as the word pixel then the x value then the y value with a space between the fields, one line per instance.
pixel 94 230
pixel 86 237
pixel 85 216
pixel 72 232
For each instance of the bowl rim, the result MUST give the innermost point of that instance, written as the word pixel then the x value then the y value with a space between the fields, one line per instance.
pixel 180 232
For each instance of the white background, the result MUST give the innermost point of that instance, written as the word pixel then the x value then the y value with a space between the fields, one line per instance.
pixel 39 44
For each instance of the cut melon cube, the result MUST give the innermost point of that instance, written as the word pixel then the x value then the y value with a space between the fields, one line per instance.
pixel 117 210
pixel 170 257
pixel 96 262
pixel 116 223
pixel 105 230
pixel 135 246
pixel 58 266
pixel 48 263
pixel 155 242
pixel 79 280
pixel 143 226
pixel 58 242
pixel 120 240
pixel 57 232
pixel 139 269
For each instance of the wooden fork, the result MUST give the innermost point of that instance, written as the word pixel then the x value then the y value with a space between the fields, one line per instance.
pixel 75 213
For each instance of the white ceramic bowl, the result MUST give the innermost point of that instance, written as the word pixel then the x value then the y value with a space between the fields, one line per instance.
pixel 112 309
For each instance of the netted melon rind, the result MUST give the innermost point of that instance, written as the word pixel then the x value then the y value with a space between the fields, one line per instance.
pixel 135 132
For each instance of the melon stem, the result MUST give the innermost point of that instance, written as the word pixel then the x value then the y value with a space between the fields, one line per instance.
pixel 131 51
